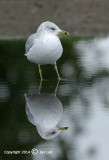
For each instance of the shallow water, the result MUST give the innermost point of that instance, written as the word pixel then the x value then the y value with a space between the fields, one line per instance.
pixel 29 115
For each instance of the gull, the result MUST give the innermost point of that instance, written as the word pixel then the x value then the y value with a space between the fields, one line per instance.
pixel 44 46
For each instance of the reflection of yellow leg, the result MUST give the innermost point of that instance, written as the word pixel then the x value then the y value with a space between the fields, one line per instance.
pixel 56 68
pixel 56 87
pixel 40 72
pixel 40 86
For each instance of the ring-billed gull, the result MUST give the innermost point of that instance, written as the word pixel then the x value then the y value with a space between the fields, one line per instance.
pixel 44 46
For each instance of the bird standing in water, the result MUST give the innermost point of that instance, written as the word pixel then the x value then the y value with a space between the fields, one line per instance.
pixel 44 46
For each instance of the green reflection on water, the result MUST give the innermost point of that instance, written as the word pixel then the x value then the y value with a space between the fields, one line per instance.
pixel 19 76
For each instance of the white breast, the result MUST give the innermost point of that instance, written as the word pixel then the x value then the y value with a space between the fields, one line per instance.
pixel 47 49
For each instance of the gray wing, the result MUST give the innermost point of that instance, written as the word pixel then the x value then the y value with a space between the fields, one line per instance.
pixel 28 111
pixel 29 43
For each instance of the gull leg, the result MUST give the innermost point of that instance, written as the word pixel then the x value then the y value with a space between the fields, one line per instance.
pixel 40 72
pixel 56 68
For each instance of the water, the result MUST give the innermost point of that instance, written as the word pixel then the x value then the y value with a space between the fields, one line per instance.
pixel 29 115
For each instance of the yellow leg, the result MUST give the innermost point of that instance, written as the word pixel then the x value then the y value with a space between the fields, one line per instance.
pixel 55 66
pixel 40 72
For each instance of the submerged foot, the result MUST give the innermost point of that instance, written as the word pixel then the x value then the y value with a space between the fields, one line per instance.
pixel 61 79
pixel 45 80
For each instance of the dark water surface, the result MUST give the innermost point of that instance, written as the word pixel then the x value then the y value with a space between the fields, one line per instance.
pixel 30 119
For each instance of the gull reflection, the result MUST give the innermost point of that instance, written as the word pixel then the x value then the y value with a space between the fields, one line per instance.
pixel 44 110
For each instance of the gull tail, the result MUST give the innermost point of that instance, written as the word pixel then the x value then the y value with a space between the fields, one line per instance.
pixel 25 54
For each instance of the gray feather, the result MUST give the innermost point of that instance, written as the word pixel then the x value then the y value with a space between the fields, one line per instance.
pixel 29 43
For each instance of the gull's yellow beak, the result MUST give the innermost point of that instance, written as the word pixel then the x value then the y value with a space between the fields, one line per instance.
pixel 63 32
pixel 63 129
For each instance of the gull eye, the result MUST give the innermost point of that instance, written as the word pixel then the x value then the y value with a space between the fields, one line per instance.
pixel 52 28
pixel 53 132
